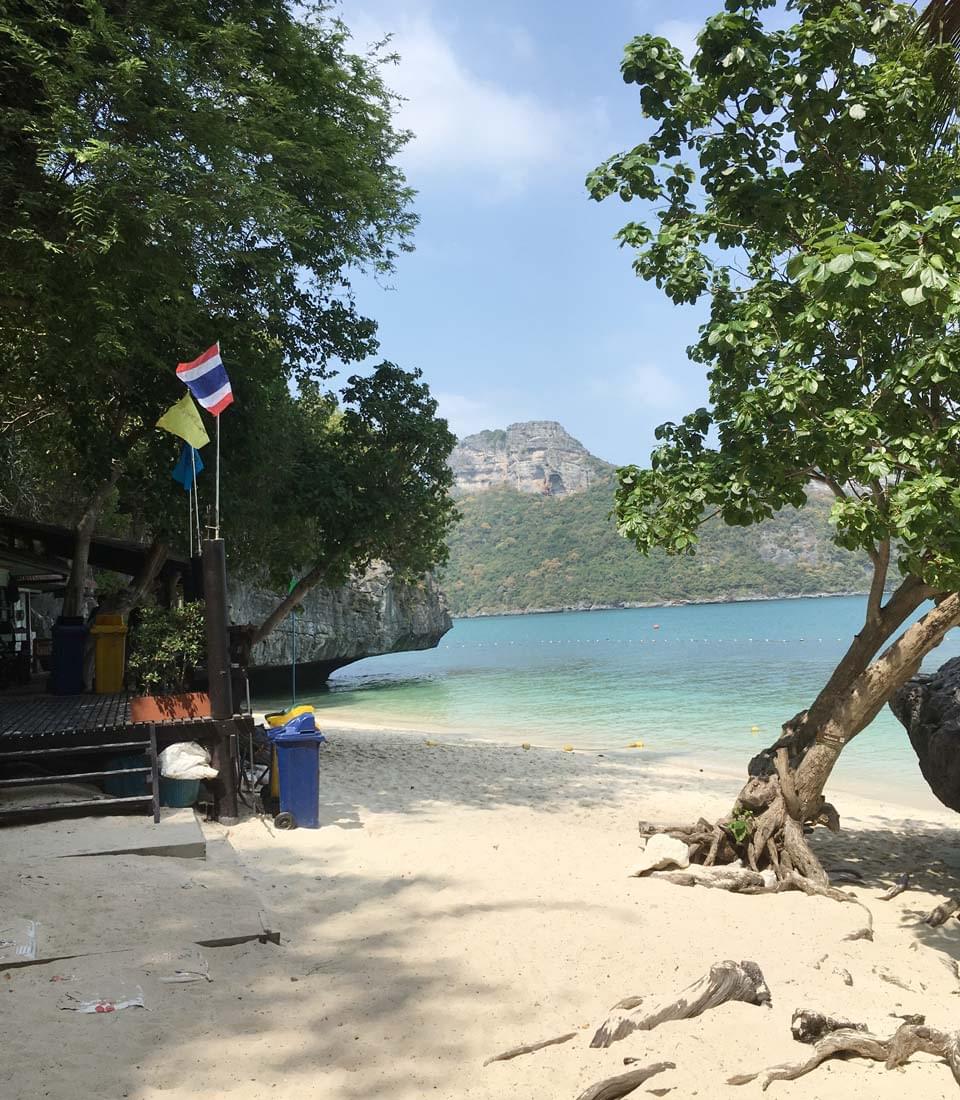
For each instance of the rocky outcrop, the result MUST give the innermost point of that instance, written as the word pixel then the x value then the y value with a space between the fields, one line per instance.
pixel 928 706
pixel 372 615
pixel 538 456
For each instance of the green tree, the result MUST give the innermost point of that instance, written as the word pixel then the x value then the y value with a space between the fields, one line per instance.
pixel 804 181
pixel 371 478
pixel 173 172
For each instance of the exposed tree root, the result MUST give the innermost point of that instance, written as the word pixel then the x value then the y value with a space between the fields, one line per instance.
pixel 613 1087
pixel 529 1048
pixel 942 913
pixel 810 1027
pixel 739 880
pixel 770 837
pixel 902 883
pixel 726 981
pixel 895 1051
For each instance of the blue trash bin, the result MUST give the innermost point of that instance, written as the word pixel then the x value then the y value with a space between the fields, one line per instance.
pixel 69 642
pixel 298 761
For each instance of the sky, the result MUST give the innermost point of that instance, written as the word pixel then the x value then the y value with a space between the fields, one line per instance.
pixel 517 303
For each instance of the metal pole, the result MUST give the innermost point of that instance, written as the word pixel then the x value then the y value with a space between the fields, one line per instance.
pixel 216 522
pixel 293 667
pixel 196 492
pixel 190 517
pixel 218 674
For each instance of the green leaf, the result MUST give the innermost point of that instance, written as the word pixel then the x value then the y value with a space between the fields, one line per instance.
pixel 843 261
pixel 912 295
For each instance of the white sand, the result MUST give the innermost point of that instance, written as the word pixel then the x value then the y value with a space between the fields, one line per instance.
pixel 461 899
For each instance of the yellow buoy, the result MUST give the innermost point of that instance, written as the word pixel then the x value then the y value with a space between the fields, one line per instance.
pixel 754 729
pixel 525 745
pixel 568 748
pixel 430 744
pixel 635 745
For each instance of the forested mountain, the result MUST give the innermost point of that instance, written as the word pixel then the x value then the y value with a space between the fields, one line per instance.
pixel 526 550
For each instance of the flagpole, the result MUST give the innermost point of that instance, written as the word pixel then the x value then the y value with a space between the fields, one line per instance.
pixel 193 459
pixel 190 518
pixel 217 499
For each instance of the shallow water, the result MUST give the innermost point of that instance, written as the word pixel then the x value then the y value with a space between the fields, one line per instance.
pixel 710 683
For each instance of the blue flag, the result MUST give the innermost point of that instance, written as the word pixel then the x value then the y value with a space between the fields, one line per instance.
pixel 183 471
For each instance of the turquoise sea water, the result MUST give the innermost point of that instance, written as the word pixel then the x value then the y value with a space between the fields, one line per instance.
pixel 691 682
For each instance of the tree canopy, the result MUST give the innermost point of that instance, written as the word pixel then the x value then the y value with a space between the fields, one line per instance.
pixel 804 181
pixel 174 172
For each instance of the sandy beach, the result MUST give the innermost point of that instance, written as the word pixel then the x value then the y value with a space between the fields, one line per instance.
pixel 464 898
pixel 461 899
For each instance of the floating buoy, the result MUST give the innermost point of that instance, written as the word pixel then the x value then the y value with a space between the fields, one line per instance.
pixel 568 748
pixel 635 745
pixel 656 626
pixel 754 729
pixel 430 744
pixel 525 745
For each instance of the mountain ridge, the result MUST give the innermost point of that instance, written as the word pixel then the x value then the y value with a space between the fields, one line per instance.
pixel 540 547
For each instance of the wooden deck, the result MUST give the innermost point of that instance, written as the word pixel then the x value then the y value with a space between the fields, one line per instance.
pixel 44 715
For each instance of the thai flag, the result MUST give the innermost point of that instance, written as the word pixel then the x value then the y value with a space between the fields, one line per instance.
pixel 207 380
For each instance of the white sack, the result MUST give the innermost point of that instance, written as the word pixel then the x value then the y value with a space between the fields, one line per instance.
pixel 186 760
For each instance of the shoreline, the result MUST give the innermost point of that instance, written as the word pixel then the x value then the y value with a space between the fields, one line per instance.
pixel 639 605
pixel 650 764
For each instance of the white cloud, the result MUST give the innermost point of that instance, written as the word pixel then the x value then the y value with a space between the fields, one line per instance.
pixel 467 125
pixel 467 415
pixel 647 386
pixel 682 33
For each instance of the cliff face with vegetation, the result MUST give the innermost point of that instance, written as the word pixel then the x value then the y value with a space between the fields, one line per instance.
pixel 374 614
pixel 528 550
pixel 537 457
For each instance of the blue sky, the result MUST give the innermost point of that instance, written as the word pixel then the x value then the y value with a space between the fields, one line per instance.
pixel 517 304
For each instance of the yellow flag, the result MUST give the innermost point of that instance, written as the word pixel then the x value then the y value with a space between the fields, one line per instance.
pixel 183 419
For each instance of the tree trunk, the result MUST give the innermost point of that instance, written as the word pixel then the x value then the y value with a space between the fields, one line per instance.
pixel 784 792
pixel 124 602
pixel 76 581
pixel 287 605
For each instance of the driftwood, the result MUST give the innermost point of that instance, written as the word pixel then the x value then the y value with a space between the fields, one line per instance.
pixel 726 981
pixel 809 1027
pixel 907 1040
pixel 614 1087
pixel 942 913
pixel 902 883
pixel 529 1048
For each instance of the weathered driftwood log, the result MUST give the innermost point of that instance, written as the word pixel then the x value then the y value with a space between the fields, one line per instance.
pixel 895 1051
pixel 726 981
pixel 529 1048
pixel 809 1027
pixel 902 883
pixel 942 913
pixel 624 1083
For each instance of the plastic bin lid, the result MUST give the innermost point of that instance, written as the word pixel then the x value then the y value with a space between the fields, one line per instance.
pixel 109 620
pixel 304 725
pixel 107 629
pixel 295 737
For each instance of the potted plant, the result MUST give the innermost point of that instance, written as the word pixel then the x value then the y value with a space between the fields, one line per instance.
pixel 166 644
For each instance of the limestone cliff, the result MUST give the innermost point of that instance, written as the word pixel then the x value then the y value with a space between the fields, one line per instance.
pixel 928 707
pixel 538 456
pixel 374 614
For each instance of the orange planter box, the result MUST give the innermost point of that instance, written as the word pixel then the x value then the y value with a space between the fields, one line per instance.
pixel 163 708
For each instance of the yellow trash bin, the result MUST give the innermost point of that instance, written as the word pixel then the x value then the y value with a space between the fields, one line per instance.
pixel 110 635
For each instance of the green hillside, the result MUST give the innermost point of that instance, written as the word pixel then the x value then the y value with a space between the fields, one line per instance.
pixel 522 551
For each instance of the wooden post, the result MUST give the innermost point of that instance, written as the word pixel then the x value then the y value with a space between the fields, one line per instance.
pixel 218 673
